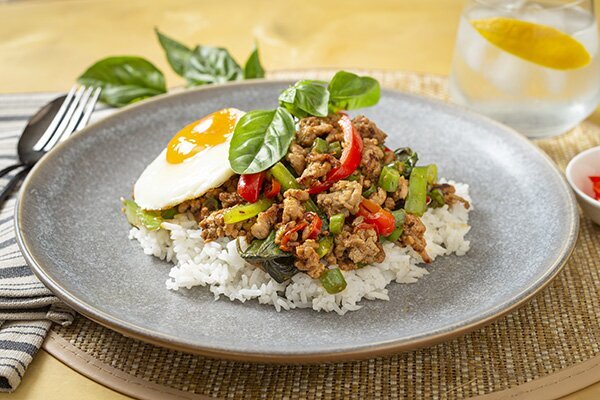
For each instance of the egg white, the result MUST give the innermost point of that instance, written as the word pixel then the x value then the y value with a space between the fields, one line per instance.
pixel 163 185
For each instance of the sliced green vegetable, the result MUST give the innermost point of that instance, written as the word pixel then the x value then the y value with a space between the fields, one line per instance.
pixel 431 174
pixel 349 91
pixel 211 65
pixel 261 138
pixel 335 148
pixel 168 214
pixel 333 281
pixel 406 160
pixel 320 146
pixel 395 235
pixel 354 177
pixel 177 53
pixel 389 179
pixel 437 198
pixel 306 98
pixel 372 189
pixel 285 178
pixel 253 68
pixel 325 246
pixel 399 216
pixel 416 201
pixel 124 80
pixel 336 223
pixel 150 220
pixel 246 211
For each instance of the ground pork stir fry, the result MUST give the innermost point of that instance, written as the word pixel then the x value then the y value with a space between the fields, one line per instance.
pixel 310 220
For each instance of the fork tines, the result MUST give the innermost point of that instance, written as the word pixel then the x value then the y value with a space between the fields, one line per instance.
pixel 73 115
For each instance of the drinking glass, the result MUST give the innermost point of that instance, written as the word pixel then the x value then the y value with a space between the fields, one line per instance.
pixel 533 65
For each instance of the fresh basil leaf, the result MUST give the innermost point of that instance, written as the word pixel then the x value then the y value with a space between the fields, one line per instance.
pixel 306 98
pixel 177 53
pixel 253 68
pixel 260 139
pixel 267 255
pixel 124 80
pixel 211 65
pixel 349 91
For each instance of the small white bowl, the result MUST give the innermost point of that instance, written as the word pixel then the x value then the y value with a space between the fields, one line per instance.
pixel 579 169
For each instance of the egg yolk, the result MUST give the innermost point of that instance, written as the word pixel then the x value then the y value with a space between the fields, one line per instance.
pixel 202 134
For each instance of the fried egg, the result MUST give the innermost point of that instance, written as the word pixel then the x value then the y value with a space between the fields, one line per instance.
pixel 195 161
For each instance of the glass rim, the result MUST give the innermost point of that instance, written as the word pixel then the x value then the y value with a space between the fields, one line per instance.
pixel 567 4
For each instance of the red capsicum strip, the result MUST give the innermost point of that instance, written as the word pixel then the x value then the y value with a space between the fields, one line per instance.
pixel 288 235
pixel 350 159
pixel 316 223
pixel 273 190
pixel 382 220
pixel 596 186
pixel 249 186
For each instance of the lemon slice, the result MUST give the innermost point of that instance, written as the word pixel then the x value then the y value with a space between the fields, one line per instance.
pixel 540 44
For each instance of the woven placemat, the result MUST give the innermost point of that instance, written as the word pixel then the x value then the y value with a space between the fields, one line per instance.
pixel 556 332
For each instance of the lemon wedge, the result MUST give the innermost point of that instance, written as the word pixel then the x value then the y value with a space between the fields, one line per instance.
pixel 539 44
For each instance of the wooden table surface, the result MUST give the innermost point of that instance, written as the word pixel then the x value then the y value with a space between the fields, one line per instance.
pixel 45 45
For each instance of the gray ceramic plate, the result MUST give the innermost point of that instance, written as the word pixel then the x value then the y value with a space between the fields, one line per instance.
pixel 74 236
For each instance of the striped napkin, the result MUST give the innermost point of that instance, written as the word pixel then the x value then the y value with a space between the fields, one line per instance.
pixel 27 307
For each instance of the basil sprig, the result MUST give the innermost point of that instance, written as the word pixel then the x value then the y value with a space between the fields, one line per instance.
pixel 206 65
pixel 260 139
pixel 346 91
pixel 253 68
pixel 128 79
pixel 124 80
pixel 306 98
pixel 177 53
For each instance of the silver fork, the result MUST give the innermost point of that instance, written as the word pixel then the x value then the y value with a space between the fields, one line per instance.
pixel 52 124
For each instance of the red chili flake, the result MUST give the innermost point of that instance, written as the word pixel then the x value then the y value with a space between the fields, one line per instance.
pixel 596 186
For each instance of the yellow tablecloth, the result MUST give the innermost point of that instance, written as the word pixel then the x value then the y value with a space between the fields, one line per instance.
pixel 45 45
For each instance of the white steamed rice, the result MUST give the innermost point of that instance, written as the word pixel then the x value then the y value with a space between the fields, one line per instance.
pixel 218 265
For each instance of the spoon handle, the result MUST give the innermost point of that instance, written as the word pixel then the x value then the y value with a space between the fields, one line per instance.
pixel 10 168
pixel 7 190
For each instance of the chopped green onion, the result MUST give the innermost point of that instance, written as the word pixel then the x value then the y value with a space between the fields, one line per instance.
pixel 399 216
pixel 169 214
pixel 431 174
pixel 150 220
pixel 437 198
pixel 416 201
pixel 367 193
pixel 325 245
pixel 284 177
pixel 336 223
pixel 246 211
pixel 354 177
pixel 320 146
pixel 335 148
pixel 389 179
pixel 333 281
pixel 407 159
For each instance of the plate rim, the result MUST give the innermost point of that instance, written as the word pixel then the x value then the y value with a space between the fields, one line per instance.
pixel 372 350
